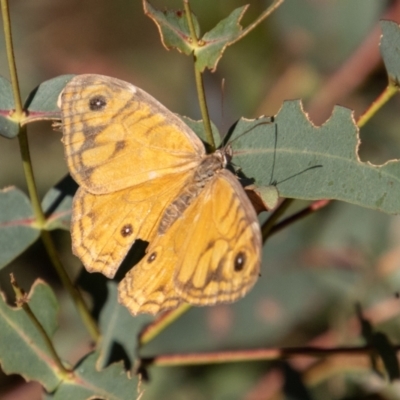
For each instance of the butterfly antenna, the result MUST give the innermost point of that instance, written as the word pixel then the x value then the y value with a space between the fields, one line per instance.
pixel 297 174
pixel 222 101
pixel 271 121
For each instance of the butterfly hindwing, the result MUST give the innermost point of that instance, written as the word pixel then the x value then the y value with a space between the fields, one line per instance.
pixel 211 254
pixel 220 255
pixel 104 227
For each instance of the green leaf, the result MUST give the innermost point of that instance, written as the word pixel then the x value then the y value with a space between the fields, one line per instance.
pixel 118 328
pixel 41 104
pixel 198 128
pixel 388 354
pixel 390 50
pixel 8 127
pixel 111 383
pixel 57 204
pixel 382 346
pixel 214 42
pixel 173 27
pixel 17 229
pixel 313 163
pixel 6 98
pixel 269 196
pixel 22 348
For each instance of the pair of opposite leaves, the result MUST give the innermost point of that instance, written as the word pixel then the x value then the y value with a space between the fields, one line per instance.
pixel 144 174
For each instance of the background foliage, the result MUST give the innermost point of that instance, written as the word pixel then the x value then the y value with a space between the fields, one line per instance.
pixel 316 271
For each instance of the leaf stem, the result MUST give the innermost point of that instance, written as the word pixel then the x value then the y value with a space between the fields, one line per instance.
pixel 383 98
pixel 199 80
pixel 75 294
pixel 5 12
pixel 155 328
pixel 270 222
pixel 312 208
pixel 22 302
pixel 261 18
pixel 29 177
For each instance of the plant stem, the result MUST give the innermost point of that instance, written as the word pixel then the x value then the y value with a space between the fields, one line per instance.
pixel 199 80
pixel 312 208
pixel 154 329
pixel 29 177
pixel 261 18
pixel 5 12
pixel 75 294
pixel 31 184
pixel 270 222
pixel 48 242
pixel 253 355
pixel 382 99
pixel 22 301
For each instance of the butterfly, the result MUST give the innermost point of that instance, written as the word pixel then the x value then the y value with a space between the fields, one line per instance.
pixel 144 174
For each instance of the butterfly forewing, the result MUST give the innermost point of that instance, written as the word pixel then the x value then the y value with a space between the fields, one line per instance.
pixel 117 136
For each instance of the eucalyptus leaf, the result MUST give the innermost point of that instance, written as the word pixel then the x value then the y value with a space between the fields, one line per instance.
pixel 30 355
pixel 17 224
pixel 112 383
pixel 310 162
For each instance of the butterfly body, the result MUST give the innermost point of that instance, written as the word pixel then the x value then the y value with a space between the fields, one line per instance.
pixel 144 174
pixel 209 166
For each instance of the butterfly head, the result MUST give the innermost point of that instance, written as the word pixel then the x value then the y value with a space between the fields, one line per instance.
pixel 224 155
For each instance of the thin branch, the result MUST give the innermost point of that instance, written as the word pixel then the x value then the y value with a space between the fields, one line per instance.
pixel 5 12
pixel 381 100
pixel 257 22
pixel 312 208
pixel 199 80
pixel 155 328
pixel 270 222
pixel 75 294
pixel 254 355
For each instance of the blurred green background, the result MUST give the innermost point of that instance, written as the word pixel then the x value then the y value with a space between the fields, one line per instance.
pixel 325 52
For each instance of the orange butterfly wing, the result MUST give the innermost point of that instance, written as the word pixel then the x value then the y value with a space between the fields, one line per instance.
pixel 104 227
pixel 130 155
pixel 211 254
pixel 116 135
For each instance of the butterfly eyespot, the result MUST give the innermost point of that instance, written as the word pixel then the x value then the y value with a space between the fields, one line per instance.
pixel 97 103
pixel 127 230
pixel 152 257
pixel 240 261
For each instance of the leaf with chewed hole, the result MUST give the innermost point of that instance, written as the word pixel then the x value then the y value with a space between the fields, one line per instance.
pixel 173 27
pixel 310 162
